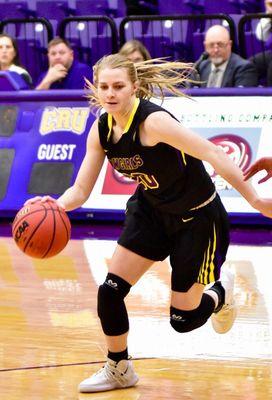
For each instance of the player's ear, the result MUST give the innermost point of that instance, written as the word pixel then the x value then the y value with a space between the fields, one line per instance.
pixel 135 86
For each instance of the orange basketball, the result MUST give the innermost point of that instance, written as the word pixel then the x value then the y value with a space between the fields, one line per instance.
pixel 41 230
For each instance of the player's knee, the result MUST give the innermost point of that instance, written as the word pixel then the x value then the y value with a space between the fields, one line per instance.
pixel 186 321
pixel 111 306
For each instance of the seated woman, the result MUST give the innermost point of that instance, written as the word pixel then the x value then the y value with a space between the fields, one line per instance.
pixel 9 58
pixel 135 51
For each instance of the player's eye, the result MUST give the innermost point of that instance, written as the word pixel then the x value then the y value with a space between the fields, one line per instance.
pixel 118 87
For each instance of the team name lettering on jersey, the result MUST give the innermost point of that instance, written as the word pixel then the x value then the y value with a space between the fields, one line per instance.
pixel 132 163
pixel 126 163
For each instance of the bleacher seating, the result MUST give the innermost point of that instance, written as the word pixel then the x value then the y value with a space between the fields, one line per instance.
pixel 18 9
pixel 54 11
pixel 32 37
pixel 98 7
pixel 174 7
pixel 91 37
pixel 180 37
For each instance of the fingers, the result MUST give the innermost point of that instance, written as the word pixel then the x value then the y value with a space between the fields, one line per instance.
pixel 33 200
pixel 60 205
pixel 42 199
pixel 248 173
pixel 265 178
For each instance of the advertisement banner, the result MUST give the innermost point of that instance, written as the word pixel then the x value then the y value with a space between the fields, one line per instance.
pixel 42 145
pixel 241 126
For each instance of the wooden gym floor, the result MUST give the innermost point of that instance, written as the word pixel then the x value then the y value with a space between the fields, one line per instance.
pixel 51 338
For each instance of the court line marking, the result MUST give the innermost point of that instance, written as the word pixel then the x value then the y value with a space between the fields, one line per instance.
pixel 65 365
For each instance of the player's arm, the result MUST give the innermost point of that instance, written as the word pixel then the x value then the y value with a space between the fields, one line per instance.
pixel 161 127
pixel 88 173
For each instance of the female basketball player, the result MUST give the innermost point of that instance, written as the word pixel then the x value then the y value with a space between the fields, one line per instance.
pixel 174 212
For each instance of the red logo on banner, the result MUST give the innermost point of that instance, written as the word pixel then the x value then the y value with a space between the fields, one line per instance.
pixel 236 147
pixel 116 183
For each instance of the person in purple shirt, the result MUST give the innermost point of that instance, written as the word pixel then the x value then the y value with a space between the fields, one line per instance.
pixel 64 71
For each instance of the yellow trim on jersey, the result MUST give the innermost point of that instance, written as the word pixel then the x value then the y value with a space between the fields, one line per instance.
pixel 109 126
pixel 132 114
pixel 129 122
pixel 206 273
pixel 183 158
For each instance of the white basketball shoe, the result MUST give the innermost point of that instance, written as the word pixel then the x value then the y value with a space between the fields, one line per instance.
pixel 223 319
pixel 112 376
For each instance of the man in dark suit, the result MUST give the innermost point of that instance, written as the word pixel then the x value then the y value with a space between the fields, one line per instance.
pixel 224 68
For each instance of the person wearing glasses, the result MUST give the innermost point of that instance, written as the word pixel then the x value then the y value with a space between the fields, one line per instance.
pixel 223 68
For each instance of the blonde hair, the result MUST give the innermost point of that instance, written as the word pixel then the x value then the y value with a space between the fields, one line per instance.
pixel 156 77
pixel 135 45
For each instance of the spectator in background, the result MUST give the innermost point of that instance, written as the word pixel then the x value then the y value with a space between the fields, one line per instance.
pixel 135 51
pixel 224 68
pixel 263 60
pixel 10 60
pixel 64 71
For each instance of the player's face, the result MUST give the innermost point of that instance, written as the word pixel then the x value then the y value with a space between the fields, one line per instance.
pixel 60 54
pixel 115 90
pixel 7 52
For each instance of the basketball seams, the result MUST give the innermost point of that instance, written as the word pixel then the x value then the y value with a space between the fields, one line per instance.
pixel 35 230
pixel 64 223
pixel 54 231
pixel 14 226
pixel 49 230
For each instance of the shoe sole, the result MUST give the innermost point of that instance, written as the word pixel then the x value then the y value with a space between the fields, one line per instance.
pixel 221 328
pixel 106 389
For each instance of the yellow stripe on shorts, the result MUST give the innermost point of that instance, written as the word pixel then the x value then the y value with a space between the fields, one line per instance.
pixel 206 273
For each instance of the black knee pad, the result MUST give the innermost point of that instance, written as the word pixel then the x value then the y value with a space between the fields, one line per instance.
pixel 186 321
pixel 111 307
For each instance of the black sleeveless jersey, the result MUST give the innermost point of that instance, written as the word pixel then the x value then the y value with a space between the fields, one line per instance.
pixel 167 178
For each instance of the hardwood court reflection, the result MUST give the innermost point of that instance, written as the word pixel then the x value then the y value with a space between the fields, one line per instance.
pixel 51 339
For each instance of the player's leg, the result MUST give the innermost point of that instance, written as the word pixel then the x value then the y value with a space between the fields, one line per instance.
pixel 225 311
pixel 190 310
pixel 196 260
pixel 141 243
pixel 126 268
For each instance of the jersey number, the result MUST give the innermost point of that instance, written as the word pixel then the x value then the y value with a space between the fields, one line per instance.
pixel 148 181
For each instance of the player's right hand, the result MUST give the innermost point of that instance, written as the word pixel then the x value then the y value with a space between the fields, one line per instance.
pixel 43 199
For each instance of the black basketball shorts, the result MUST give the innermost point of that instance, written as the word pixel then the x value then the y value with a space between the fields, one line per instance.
pixel 196 242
